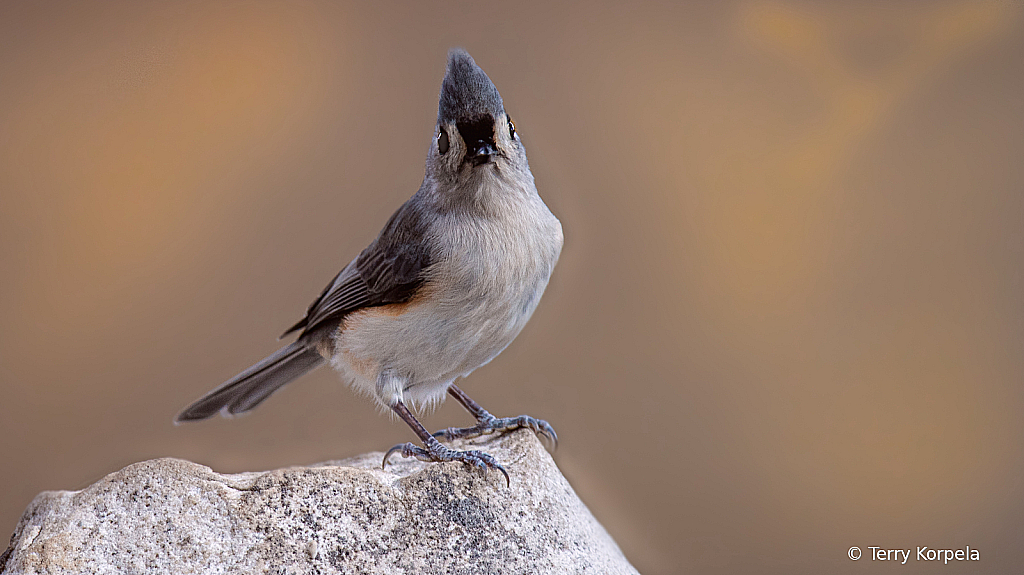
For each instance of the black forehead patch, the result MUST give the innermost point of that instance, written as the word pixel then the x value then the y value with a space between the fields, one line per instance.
pixel 479 129
pixel 466 92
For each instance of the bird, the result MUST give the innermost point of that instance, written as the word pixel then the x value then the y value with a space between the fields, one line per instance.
pixel 447 284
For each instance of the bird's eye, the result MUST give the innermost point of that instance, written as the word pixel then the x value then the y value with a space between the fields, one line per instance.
pixel 442 142
pixel 511 128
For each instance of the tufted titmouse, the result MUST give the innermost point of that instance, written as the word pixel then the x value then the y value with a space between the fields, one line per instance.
pixel 447 284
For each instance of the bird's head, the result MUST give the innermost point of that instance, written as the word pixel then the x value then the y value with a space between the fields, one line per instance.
pixel 474 133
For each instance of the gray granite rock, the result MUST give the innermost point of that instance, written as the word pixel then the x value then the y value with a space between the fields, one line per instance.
pixel 173 516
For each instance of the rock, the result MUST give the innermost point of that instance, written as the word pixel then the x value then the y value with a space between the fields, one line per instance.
pixel 174 516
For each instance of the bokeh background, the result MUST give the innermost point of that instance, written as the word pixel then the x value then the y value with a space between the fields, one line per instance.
pixel 788 318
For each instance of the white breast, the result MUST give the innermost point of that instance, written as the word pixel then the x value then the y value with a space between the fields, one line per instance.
pixel 495 274
pixel 487 277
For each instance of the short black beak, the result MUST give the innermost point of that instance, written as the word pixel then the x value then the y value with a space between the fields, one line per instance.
pixel 480 152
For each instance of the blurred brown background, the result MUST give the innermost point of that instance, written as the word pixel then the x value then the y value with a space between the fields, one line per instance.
pixel 788 318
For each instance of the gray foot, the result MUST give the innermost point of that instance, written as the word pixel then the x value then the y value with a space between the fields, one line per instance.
pixel 491 424
pixel 435 452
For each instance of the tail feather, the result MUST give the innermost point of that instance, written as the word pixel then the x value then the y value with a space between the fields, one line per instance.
pixel 247 389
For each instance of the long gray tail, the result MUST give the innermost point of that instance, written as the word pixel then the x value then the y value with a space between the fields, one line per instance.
pixel 247 389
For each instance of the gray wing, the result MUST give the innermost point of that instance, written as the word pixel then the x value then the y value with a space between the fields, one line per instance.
pixel 390 270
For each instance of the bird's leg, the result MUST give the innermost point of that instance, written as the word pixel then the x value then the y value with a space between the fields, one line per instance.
pixel 432 449
pixel 487 423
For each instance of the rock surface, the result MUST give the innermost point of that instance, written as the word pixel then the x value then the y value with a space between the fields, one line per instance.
pixel 173 516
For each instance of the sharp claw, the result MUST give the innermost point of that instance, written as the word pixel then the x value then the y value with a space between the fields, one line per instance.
pixel 398 447
pixel 485 461
pixel 508 482
pixel 549 432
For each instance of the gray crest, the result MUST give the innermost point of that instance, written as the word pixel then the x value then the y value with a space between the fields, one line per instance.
pixel 466 92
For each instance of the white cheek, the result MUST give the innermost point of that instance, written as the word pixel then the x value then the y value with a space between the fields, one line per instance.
pixel 458 150
pixel 503 138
